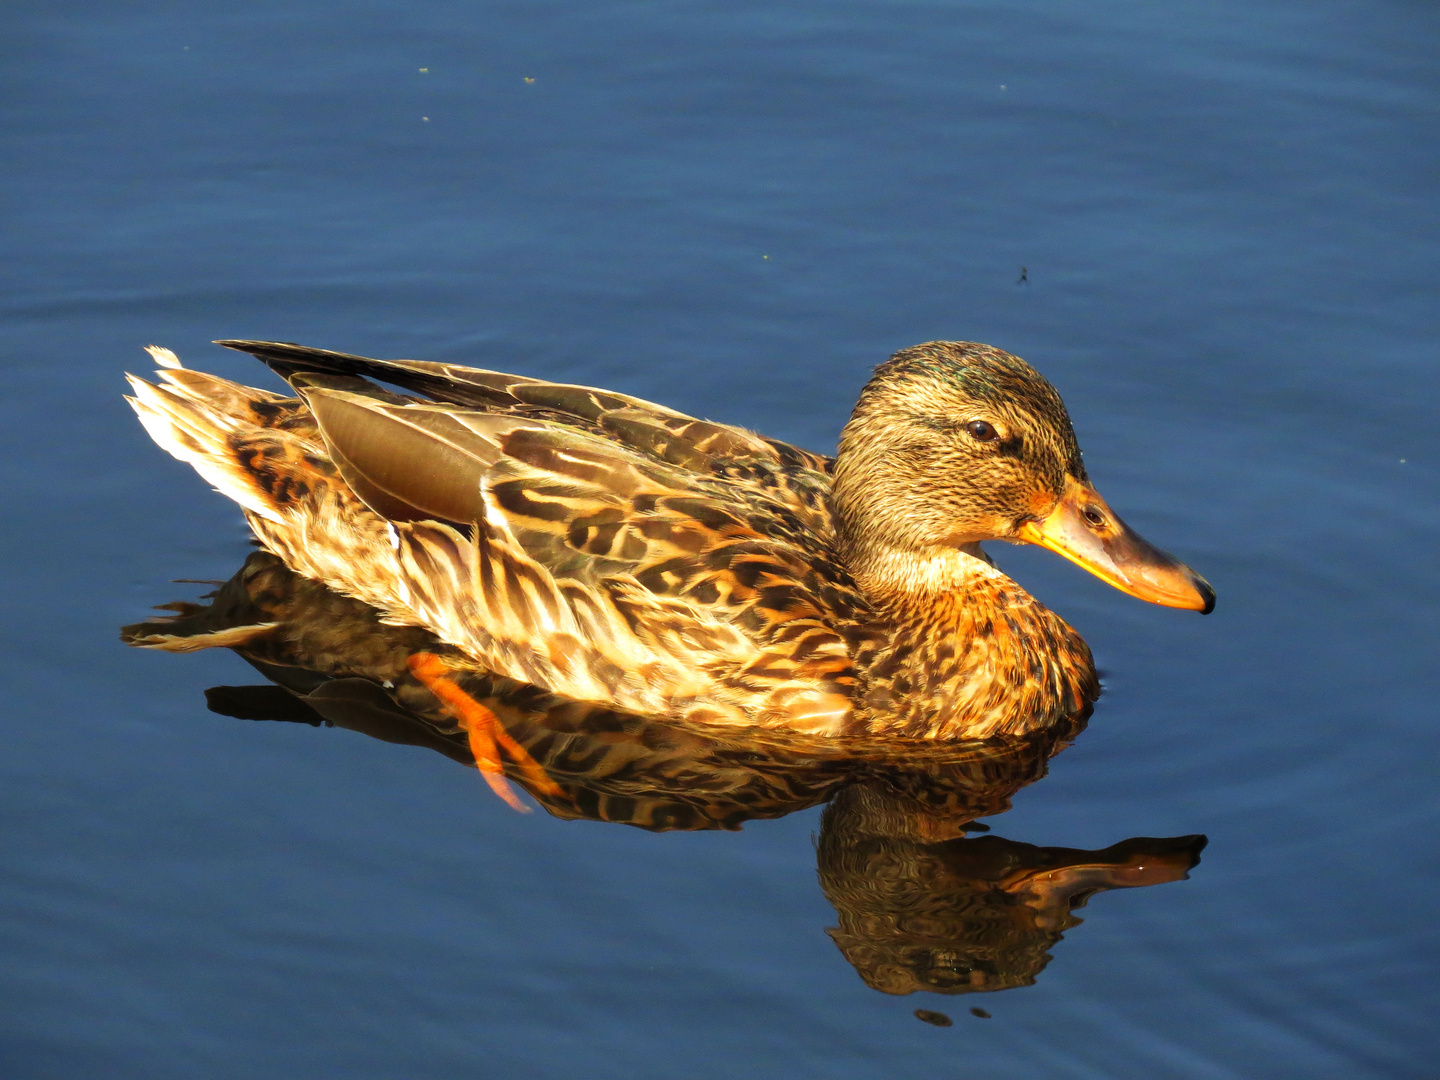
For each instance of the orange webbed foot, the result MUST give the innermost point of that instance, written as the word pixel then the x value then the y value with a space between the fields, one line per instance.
pixel 486 734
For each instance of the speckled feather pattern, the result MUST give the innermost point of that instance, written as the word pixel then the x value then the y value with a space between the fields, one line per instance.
pixel 340 657
pixel 610 551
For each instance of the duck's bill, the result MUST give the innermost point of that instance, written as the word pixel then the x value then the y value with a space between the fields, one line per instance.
pixel 1088 533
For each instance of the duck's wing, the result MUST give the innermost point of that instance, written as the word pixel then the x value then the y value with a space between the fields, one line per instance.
pixel 592 569
pixel 551 554
pixel 790 475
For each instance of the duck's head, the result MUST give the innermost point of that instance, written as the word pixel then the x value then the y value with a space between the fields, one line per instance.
pixel 953 443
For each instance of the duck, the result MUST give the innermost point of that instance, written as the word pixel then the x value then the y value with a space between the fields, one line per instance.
pixel 609 550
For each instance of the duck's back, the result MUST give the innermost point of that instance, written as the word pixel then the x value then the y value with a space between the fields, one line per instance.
pixel 589 543
pixel 795 479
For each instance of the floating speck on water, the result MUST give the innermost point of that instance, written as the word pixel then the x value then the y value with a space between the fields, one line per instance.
pixel 939 1019
pixel 529 79
pixel 424 71
pixel 981 1013
pixel 425 119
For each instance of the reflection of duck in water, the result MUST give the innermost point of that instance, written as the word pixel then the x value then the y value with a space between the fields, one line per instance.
pixel 603 549
pixel 921 907
pixel 334 660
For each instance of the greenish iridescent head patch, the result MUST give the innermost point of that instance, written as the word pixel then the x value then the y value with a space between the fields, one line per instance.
pixel 947 376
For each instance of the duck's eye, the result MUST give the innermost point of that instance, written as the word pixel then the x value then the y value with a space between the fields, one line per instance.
pixel 980 431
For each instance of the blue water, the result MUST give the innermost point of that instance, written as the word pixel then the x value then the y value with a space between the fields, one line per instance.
pixel 1226 213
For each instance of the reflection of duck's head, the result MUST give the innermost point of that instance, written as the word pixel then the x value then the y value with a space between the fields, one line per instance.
pixel 921 908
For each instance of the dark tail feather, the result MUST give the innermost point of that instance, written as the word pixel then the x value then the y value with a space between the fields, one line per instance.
pixel 447 383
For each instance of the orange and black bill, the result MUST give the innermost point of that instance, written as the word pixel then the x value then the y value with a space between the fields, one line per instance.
pixel 1088 533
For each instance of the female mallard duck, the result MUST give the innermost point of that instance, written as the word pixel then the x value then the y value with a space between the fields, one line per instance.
pixel 610 550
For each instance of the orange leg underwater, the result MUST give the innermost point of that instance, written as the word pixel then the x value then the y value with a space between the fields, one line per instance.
pixel 487 735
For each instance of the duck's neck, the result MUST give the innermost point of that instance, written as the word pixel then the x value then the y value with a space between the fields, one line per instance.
pixel 897 580
pixel 964 651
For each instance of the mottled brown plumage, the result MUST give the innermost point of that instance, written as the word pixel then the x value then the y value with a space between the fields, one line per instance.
pixel 612 551
pixel 342 662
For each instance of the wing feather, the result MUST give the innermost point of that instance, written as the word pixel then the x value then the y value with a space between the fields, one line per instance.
pixel 584 542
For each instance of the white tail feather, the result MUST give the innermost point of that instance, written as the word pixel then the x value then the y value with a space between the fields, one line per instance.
pixel 186 429
pixel 164 357
pixel 227 638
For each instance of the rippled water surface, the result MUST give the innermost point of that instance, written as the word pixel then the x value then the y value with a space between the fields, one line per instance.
pixel 1226 218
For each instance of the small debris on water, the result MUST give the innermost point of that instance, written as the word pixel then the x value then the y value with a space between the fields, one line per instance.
pixel 981 1013
pixel 936 1018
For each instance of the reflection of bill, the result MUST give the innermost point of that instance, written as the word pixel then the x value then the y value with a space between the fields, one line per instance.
pixel 921 907
pixel 958 915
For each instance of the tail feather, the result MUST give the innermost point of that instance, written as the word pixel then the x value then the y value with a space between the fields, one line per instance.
pixel 164 357
pixel 229 638
pixel 447 383
pixel 194 418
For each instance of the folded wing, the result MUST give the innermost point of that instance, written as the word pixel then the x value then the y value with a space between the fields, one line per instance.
pixel 603 551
